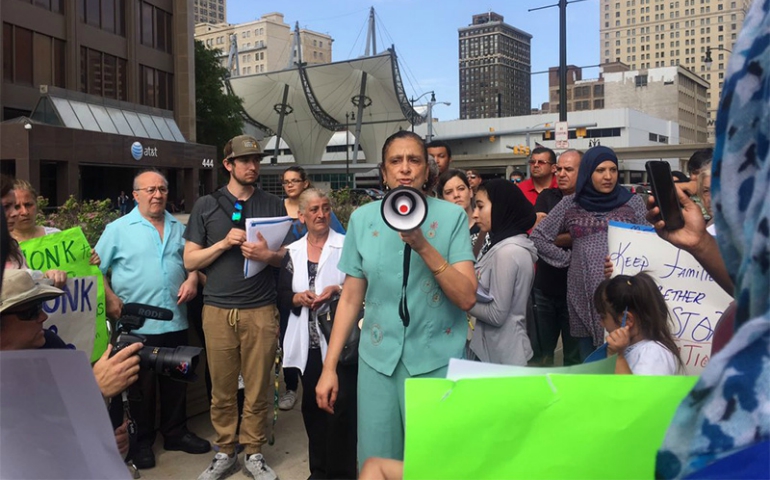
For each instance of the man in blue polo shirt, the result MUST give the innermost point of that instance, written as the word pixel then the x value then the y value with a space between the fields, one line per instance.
pixel 144 249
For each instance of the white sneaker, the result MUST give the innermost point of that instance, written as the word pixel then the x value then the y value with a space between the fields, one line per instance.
pixel 222 466
pixel 256 466
pixel 287 400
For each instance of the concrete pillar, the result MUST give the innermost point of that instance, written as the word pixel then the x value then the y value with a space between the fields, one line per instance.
pixel 184 68
pixel 68 180
pixel 132 42
pixel 72 46
pixel 190 186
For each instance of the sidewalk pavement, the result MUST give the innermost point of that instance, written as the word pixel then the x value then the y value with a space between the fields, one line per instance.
pixel 288 456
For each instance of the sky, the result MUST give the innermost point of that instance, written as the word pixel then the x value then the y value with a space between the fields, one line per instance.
pixel 426 38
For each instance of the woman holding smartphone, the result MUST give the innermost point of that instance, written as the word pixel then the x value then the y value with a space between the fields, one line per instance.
pixel 598 199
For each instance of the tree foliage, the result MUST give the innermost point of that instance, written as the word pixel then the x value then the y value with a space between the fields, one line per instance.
pixel 345 202
pixel 217 112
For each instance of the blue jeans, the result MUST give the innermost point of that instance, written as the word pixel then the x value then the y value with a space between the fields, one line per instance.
pixel 586 347
pixel 552 321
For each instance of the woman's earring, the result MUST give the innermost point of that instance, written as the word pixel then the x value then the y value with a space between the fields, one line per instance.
pixel 425 186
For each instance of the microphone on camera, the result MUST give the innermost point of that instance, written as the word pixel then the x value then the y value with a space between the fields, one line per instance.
pixel 147 311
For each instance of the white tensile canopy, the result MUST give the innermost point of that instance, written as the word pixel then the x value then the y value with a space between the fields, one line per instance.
pixel 318 97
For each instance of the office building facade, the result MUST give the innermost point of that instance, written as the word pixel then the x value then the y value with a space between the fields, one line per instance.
pixel 88 79
pixel 648 34
pixel 264 45
pixel 495 67
pixel 210 11
pixel 670 93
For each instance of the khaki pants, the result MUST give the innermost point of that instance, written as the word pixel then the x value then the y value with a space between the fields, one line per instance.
pixel 240 341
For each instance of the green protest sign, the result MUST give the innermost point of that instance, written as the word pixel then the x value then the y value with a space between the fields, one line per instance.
pixel 80 314
pixel 547 426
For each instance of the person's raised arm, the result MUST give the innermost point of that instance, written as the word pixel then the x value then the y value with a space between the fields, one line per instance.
pixel 348 308
pixel 457 280
pixel 259 251
pixel 197 257
pixel 116 373
pixel 511 269
pixel 545 234
pixel 693 238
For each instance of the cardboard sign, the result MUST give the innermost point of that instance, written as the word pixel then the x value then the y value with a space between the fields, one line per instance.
pixel 694 299
pixel 79 316
pixel 539 427
pixel 73 314
pixel 54 422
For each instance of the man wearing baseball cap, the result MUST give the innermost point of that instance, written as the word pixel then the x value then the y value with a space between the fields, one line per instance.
pixel 240 318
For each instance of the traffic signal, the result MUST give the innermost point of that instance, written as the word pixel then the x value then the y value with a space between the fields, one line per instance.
pixel 491 137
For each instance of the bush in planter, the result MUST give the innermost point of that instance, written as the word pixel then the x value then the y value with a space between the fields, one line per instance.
pixel 90 215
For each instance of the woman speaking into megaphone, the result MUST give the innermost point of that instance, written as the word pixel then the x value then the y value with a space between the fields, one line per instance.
pixel 441 286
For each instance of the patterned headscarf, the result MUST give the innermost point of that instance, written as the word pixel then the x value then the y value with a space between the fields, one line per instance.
pixel 728 410
pixel 586 195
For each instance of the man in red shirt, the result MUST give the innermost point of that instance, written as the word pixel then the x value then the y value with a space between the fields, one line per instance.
pixel 542 168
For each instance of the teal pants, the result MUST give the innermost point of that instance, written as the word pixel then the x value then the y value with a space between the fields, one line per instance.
pixel 381 411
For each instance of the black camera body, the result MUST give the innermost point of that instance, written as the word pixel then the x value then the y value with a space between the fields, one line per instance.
pixel 178 363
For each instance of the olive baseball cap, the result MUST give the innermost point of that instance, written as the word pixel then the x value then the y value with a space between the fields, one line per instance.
pixel 246 145
pixel 19 288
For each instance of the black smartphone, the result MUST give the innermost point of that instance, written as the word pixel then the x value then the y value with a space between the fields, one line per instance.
pixel 664 191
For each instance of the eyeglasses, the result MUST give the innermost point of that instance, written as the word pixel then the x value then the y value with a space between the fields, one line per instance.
pixel 152 190
pixel 238 213
pixel 474 177
pixel 293 181
pixel 539 162
pixel 516 180
pixel 29 313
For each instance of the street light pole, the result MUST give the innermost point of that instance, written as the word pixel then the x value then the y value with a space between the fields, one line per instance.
pixel 430 116
pixel 562 54
pixel 348 116
pixel 413 99
pixel 707 58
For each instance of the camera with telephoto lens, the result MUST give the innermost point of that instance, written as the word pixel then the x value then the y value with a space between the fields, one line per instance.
pixel 178 363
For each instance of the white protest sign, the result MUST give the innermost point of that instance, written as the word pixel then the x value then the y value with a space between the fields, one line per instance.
pixel 72 314
pixel 694 299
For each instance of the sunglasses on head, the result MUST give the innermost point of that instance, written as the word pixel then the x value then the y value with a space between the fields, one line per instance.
pixel 29 313
pixel 238 213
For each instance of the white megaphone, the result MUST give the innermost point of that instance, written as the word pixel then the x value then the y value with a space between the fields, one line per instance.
pixel 404 208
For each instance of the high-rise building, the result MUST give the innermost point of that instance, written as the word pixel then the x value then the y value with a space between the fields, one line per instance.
pixel 495 69
pixel 658 33
pixel 210 11
pixel 264 45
